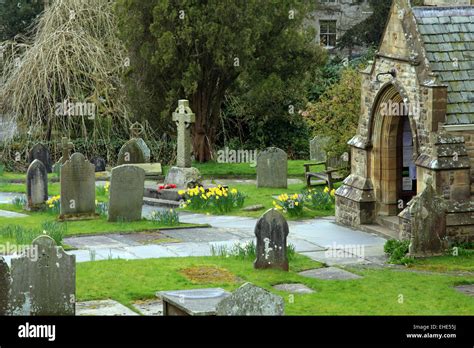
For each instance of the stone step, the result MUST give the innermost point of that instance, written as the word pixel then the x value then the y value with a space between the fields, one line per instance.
pixel 167 195
pixel 381 231
pixel 155 202
pixel 390 222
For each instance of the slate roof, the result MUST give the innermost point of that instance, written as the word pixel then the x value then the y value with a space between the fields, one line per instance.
pixel 448 35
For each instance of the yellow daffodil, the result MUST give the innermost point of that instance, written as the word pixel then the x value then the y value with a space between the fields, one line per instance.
pixel 326 189
pixel 333 192
pixel 181 192
pixel 233 191
pixel 297 203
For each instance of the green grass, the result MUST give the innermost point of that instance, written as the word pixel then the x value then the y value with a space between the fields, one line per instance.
pixel 213 170
pixel 265 196
pixel 86 227
pixel 53 188
pixel 447 263
pixel 377 293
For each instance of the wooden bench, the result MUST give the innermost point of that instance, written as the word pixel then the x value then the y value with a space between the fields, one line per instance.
pixel 335 170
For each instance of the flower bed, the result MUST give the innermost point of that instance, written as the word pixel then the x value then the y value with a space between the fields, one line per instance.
pixel 216 199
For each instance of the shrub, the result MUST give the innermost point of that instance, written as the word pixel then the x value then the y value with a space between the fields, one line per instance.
pixel 165 217
pixel 293 205
pixel 216 199
pixel 397 251
pixel 103 190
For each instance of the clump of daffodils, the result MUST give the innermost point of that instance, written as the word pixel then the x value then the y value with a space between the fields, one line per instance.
pixel 218 199
pixel 291 204
pixel 321 200
pixel 53 204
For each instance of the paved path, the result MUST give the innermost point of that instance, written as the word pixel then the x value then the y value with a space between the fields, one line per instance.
pixel 320 239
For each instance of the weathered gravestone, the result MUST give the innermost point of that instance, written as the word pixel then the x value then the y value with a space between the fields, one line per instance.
pixel 43 280
pixel 4 287
pixel 41 152
pixel 66 148
pixel 428 223
pixel 99 164
pixel 36 185
pixel 135 150
pixel 183 175
pixel 272 168
pixel 126 193
pixel 317 148
pixel 251 300
pixel 271 232
pixel 77 188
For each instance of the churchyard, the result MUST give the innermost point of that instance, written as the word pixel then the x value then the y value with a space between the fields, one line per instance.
pixel 114 215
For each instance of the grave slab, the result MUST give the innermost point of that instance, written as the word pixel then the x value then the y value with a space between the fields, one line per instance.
pixel 195 302
pixel 149 308
pixel 466 289
pixel 103 308
pixel 294 288
pixel 10 214
pixel 329 273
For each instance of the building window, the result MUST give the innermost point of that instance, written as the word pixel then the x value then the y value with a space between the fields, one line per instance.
pixel 328 33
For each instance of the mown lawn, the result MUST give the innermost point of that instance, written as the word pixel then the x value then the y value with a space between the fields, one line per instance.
pixel 378 293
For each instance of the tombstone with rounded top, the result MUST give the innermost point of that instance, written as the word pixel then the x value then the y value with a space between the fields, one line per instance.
pixel 251 300
pixel 43 280
pixel 271 250
pixel 134 151
pixel 317 148
pixel 77 188
pixel 41 152
pixel 272 168
pixel 36 185
pixel 126 193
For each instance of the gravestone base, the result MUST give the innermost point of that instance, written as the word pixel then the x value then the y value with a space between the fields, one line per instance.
pixel 183 177
pixel 33 208
pixel 78 217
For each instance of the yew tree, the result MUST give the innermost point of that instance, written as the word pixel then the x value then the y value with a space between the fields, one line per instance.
pixel 201 50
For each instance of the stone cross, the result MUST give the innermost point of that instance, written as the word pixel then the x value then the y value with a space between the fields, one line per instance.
pixel 67 146
pixel 136 130
pixel 184 117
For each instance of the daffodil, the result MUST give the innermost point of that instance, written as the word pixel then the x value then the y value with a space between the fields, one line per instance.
pixel 333 192
pixel 326 189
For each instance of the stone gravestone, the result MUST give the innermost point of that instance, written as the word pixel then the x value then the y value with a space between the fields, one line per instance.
pixel 272 168
pixel 99 164
pixel 41 152
pixel 126 193
pixel 250 300
pixel 428 223
pixel 36 185
pixel 77 188
pixel 43 280
pixel 135 150
pixel 271 232
pixel 66 148
pixel 4 287
pixel 317 148
pixel 183 175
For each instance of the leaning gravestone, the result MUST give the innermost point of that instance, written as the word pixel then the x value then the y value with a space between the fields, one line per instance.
pixel 317 148
pixel 250 300
pixel 4 287
pixel 271 232
pixel 41 152
pixel 36 185
pixel 272 168
pixel 126 193
pixel 43 280
pixel 428 223
pixel 99 164
pixel 77 188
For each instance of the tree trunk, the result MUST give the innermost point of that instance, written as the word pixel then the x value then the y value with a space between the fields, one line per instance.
pixel 204 128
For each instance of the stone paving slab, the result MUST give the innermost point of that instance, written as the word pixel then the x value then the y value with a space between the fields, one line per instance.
pixel 302 245
pixel 329 273
pixel 150 251
pixel 10 214
pixel 103 308
pixel 7 197
pixel 190 249
pixel 150 307
pixel 97 241
pixel 334 257
pixel 294 288
pixel 200 234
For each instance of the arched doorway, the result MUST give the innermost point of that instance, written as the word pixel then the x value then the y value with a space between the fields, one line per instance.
pixel 392 167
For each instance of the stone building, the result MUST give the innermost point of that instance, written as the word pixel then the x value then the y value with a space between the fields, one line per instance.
pixel 416 123
pixel 335 17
